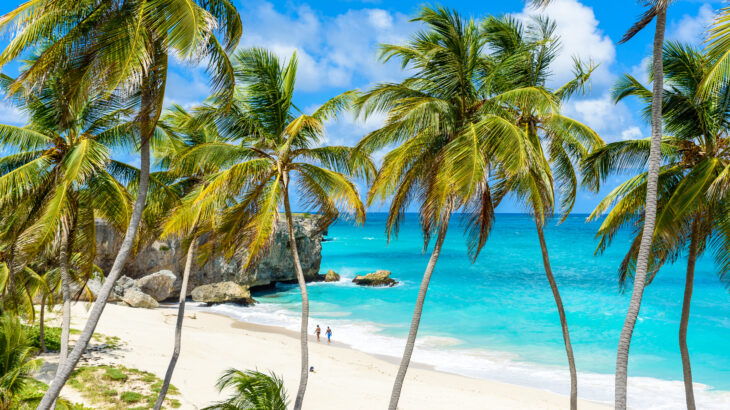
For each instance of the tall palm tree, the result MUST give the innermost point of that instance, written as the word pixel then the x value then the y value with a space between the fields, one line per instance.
pixel 446 139
pixel 276 153
pixel 58 161
pixel 522 56
pixel 253 390
pixel 195 215
pixel 122 46
pixel 655 10
pixel 694 181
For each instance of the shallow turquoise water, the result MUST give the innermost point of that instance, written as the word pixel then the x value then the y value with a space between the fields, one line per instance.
pixel 501 307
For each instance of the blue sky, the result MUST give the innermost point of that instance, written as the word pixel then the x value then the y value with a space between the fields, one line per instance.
pixel 336 42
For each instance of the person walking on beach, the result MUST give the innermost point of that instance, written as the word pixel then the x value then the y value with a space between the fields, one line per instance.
pixel 329 334
pixel 317 331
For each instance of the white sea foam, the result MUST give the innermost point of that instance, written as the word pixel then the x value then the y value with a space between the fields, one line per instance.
pixel 443 354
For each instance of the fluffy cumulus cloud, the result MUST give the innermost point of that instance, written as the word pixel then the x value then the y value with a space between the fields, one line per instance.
pixel 691 28
pixel 580 35
pixel 333 51
pixel 9 114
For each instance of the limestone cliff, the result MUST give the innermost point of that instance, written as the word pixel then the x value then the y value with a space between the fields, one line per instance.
pixel 275 266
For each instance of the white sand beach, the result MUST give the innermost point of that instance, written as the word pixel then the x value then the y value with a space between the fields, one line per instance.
pixel 344 378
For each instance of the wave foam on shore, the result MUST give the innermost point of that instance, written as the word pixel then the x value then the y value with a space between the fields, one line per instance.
pixel 443 354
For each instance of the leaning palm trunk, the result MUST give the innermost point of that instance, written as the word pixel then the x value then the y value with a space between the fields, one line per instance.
pixel 416 320
pixel 66 293
pixel 178 325
pixel 684 321
pixel 304 371
pixel 642 261
pixel 561 313
pixel 150 112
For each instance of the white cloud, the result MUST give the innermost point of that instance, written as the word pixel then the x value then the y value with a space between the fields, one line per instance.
pixel 691 29
pixel 580 36
pixel 611 121
pixel 9 114
pixel 339 51
pixel 632 133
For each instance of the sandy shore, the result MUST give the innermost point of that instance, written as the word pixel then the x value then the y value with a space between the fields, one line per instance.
pixel 344 378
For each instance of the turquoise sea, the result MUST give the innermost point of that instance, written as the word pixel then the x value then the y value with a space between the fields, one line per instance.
pixel 496 318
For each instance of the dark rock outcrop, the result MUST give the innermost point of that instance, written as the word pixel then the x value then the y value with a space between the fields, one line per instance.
pixel 275 266
pixel 332 276
pixel 223 292
pixel 379 278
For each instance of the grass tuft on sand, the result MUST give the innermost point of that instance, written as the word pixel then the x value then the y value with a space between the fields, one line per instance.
pixel 117 387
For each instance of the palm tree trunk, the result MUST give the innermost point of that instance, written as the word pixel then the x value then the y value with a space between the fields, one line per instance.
pixel 151 106
pixel 642 262
pixel 42 325
pixel 416 320
pixel 178 324
pixel 561 313
pixel 303 333
pixel 684 321
pixel 66 293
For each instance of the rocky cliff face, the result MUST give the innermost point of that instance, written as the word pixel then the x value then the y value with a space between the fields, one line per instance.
pixel 275 266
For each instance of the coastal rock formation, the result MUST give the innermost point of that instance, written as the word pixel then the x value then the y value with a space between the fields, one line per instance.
pixel 158 285
pixel 135 298
pixel 379 278
pixel 223 292
pixel 332 276
pixel 275 266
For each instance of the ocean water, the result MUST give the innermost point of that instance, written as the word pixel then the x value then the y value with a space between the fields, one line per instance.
pixel 496 318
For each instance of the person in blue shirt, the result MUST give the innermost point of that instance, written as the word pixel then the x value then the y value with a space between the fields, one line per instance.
pixel 329 334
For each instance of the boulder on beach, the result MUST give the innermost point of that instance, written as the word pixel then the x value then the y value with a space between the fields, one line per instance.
pixel 135 298
pixel 332 276
pixel 158 284
pixel 222 292
pixel 379 278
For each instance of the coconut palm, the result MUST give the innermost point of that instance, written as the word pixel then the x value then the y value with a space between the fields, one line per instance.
pixel 522 57
pixel 194 215
pixel 694 181
pixel 124 47
pixel 253 390
pixel 276 154
pixel 58 162
pixel 17 360
pixel 445 137
pixel 655 10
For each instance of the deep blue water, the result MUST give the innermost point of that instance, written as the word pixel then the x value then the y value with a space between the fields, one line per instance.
pixel 496 317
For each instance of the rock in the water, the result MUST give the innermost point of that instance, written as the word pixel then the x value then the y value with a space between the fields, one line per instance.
pixel 331 276
pixel 135 298
pixel 222 292
pixel 158 285
pixel 379 278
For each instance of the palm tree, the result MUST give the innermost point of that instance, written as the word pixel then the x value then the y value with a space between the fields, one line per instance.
pixel 195 215
pixel 694 180
pixel 58 163
pixel 17 360
pixel 123 47
pixel 655 9
pixel 446 139
pixel 253 390
pixel 522 57
pixel 276 154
